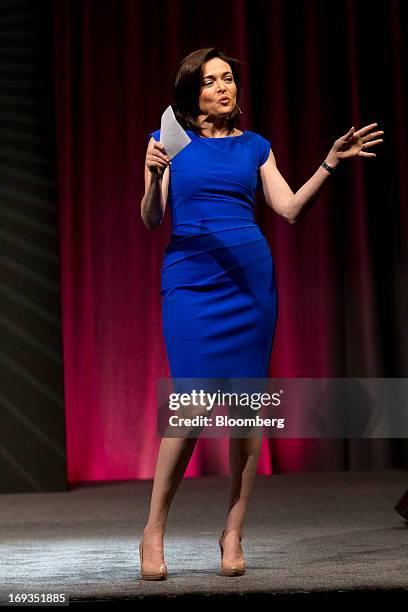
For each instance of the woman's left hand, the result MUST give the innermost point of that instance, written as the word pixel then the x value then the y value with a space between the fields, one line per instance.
pixel 355 143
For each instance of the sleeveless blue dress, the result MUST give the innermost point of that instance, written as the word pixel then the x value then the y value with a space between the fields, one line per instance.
pixel 218 286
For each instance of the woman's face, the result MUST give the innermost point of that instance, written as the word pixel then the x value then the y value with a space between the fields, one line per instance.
pixel 217 82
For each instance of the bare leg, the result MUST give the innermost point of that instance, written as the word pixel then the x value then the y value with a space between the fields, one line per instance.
pixel 243 457
pixel 173 459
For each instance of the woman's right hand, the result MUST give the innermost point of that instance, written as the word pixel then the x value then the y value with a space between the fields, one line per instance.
pixel 157 159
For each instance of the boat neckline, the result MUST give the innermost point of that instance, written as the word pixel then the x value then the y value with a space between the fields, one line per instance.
pixel 217 137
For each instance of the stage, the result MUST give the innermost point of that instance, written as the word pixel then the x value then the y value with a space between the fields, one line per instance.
pixel 310 535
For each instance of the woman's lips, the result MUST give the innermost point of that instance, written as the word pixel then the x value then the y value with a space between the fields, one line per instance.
pixel 224 101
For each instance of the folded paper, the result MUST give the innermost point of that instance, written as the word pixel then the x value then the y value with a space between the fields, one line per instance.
pixel 172 135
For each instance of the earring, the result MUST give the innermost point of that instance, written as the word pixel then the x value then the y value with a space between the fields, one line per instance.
pixel 238 108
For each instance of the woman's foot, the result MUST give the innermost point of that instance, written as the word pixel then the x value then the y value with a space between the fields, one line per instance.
pixel 153 564
pixel 232 556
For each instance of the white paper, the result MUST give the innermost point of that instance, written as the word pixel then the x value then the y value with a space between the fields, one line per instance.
pixel 172 135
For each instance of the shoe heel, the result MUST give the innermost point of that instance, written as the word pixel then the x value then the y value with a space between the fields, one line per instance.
pixel 232 569
pixel 160 575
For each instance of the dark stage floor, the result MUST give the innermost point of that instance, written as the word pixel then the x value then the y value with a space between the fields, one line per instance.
pixel 315 537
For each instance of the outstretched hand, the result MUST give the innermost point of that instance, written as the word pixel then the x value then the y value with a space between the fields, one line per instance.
pixel 355 143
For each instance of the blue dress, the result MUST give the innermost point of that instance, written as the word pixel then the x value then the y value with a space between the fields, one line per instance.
pixel 219 297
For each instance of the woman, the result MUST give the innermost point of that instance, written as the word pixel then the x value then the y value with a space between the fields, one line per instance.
pixel 219 299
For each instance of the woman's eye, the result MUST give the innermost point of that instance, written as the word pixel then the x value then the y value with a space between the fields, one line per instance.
pixel 210 82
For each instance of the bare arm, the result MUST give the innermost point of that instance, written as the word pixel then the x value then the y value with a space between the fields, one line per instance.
pixel 153 204
pixel 280 197
pixel 293 206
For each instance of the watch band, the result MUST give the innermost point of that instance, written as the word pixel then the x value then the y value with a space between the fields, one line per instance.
pixel 330 169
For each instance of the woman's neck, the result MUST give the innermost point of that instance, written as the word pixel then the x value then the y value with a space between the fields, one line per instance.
pixel 219 134
pixel 216 128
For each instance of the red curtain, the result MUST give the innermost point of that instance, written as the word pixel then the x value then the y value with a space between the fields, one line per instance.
pixel 312 70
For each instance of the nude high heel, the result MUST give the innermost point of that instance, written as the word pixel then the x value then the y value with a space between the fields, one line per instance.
pixel 150 572
pixel 237 568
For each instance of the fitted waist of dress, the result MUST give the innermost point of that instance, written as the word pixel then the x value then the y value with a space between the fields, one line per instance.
pixel 183 248
pixel 204 224
pixel 239 232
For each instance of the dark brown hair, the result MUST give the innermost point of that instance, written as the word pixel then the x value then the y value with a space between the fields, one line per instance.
pixel 187 85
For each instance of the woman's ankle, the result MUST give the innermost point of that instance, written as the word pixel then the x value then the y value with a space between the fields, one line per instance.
pixel 152 529
pixel 236 531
